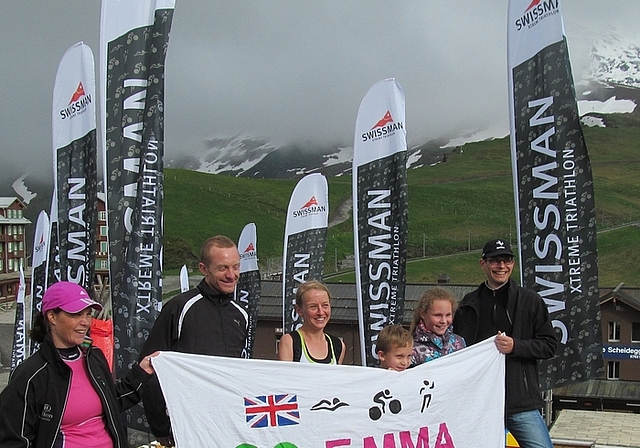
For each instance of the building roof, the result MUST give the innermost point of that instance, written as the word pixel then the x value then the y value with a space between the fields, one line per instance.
pixel 606 429
pixel 601 388
pixel 23 221
pixel 6 201
pixel 622 297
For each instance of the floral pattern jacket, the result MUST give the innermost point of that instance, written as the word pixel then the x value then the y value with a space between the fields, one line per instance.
pixel 428 346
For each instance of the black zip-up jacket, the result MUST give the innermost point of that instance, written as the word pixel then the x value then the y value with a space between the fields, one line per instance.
pixel 199 321
pixel 34 401
pixel 533 337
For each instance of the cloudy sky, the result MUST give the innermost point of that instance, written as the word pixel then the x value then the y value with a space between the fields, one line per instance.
pixel 289 69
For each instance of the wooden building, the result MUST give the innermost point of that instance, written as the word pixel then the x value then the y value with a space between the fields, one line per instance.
pixel 13 247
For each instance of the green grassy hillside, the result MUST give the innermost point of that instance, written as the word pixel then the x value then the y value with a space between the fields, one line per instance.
pixel 454 207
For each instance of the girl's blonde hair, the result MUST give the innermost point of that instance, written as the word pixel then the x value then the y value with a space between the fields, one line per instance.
pixel 427 299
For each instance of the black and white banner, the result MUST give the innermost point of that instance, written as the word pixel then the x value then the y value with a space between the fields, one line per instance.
pixel 53 267
pixel 553 187
pixel 19 349
pixel 39 269
pixel 380 211
pixel 305 240
pixel 248 288
pixel 133 42
pixel 184 279
pixel 75 164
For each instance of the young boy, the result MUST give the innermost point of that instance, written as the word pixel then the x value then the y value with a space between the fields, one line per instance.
pixel 394 347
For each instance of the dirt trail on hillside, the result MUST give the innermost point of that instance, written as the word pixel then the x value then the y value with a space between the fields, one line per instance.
pixel 343 213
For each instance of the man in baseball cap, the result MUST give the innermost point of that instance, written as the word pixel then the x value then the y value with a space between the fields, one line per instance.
pixel 519 320
pixel 69 297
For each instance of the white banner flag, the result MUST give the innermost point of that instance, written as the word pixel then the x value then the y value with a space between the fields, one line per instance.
pixel 184 279
pixel 454 401
pixel 305 240
pixel 248 288
pixel 380 211
pixel 75 165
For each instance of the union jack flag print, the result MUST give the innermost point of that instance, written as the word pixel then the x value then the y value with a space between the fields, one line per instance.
pixel 272 410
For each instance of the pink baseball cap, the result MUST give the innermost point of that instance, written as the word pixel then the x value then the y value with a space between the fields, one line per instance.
pixel 69 297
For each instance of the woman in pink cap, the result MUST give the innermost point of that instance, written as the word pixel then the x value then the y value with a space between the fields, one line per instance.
pixel 64 394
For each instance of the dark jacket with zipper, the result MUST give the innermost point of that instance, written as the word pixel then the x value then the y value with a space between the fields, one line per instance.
pixel 34 401
pixel 199 321
pixel 533 337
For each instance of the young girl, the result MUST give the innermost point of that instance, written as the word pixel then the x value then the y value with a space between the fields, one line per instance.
pixel 431 327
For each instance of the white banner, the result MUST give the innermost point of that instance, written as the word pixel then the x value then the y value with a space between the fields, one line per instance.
pixel 380 211
pixel 248 288
pixel 305 239
pixel 19 351
pixel 184 279
pixel 41 239
pixel 74 100
pixel 75 165
pixel 454 401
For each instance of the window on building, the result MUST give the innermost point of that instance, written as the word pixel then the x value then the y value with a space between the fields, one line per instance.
pixel 102 216
pixel 614 331
pixel 10 265
pixel 635 332
pixel 104 247
pixel 20 245
pixel 1 265
pixel 19 213
pixel 104 264
pixel 103 230
pixel 20 230
pixel 613 370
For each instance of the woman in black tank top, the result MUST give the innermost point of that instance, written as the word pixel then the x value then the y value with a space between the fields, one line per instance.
pixel 310 343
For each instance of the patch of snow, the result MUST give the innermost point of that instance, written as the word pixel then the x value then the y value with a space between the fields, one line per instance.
pixel 413 158
pixel 592 121
pixel 611 106
pixel 344 155
pixel 21 189
pixel 477 136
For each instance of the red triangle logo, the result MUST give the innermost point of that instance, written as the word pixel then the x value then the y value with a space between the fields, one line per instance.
pixel 386 119
pixel 79 93
pixel 249 248
pixel 312 201
pixel 533 3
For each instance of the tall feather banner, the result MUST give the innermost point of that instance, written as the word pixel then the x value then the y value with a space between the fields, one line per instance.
pixel 305 242
pixel 553 186
pixel 380 211
pixel 133 40
pixel 19 350
pixel 248 288
pixel 75 164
